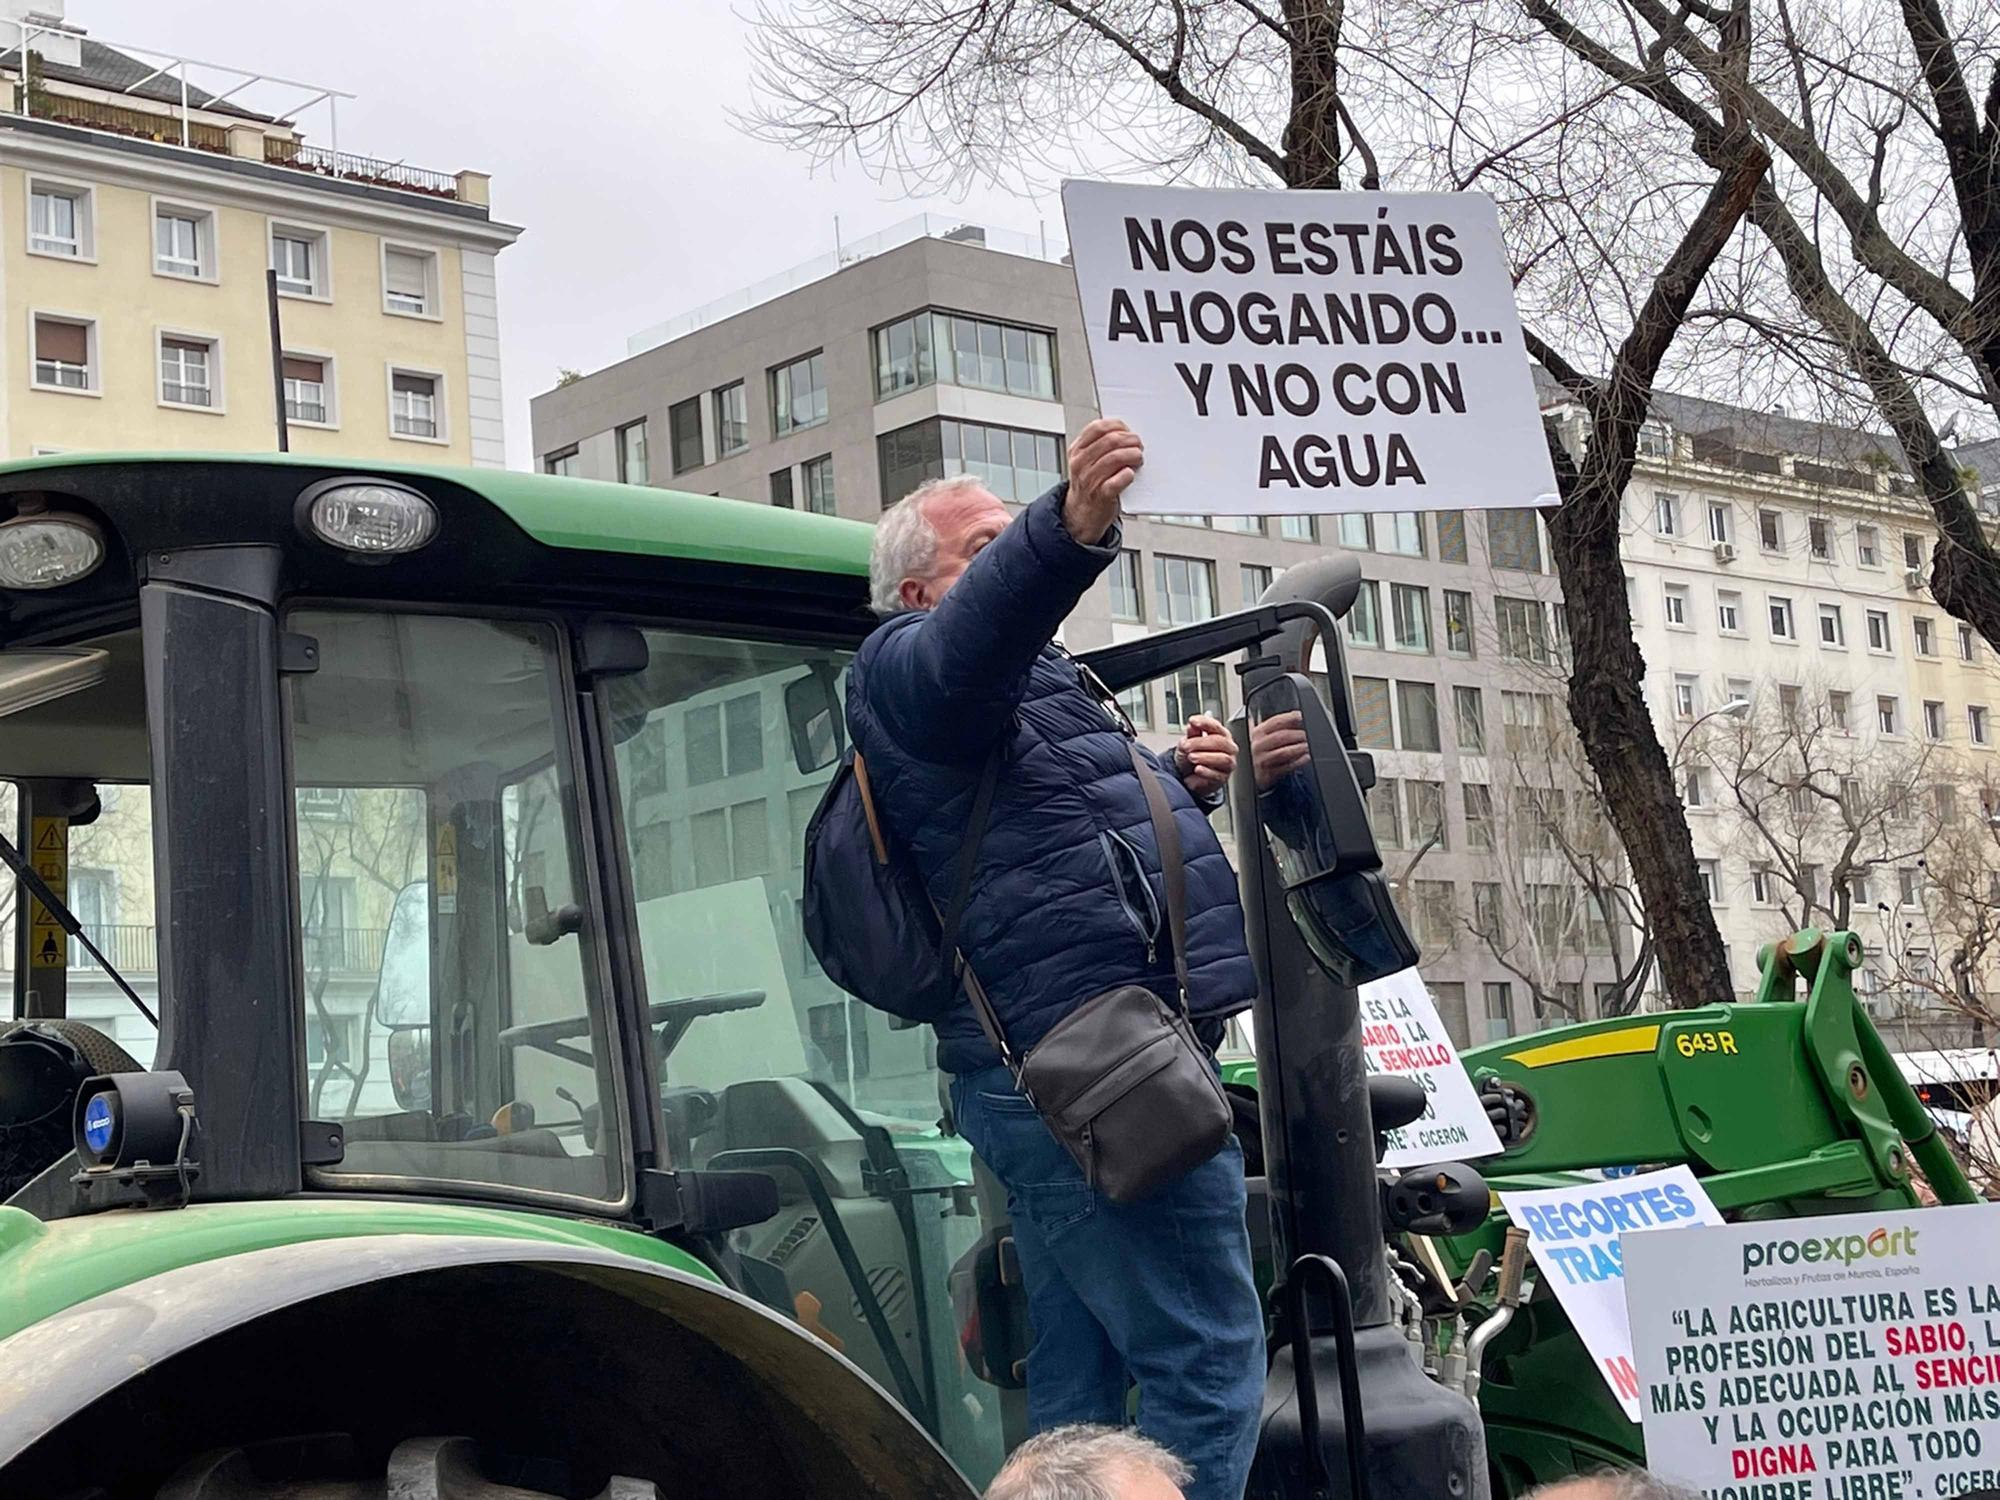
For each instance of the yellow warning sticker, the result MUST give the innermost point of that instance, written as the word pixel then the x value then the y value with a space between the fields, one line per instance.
pixel 48 944
pixel 444 873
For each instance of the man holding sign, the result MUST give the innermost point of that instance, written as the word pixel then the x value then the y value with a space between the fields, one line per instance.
pixel 1067 899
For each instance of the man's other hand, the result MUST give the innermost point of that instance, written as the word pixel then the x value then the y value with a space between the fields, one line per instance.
pixel 1104 459
pixel 1278 747
pixel 1207 754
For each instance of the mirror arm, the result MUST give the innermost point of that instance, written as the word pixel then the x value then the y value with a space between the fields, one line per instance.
pixel 1134 662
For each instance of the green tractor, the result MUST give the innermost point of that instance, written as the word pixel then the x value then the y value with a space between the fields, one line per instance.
pixel 498 1127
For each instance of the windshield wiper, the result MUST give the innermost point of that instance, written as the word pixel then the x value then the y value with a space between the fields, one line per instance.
pixel 65 919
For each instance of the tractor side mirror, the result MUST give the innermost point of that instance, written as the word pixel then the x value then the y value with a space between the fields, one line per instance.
pixel 812 714
pixel 1317 827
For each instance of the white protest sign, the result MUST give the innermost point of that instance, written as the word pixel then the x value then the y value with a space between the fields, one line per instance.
pixel 1854 1357
pixel 1579 1239
pixel 1403 1038
pixel 1290 352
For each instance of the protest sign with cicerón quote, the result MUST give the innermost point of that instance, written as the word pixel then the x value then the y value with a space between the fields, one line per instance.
pixel 1855 1357
pixel 1293 352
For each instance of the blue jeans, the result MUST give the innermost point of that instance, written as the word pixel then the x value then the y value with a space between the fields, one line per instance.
pixel 1159 1291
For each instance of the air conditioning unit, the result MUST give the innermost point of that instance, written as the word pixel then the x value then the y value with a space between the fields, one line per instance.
pixel 1725 552
pixel 1913 580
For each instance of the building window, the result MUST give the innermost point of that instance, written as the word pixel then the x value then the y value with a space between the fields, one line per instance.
pixel 1720 528
pixel 1789 697
pixel 187 371
pixel 1196 690
pixel 1417 716
pixel 306 393
pixel 1126 600
pixel 1355 532
pixel 1913 550
pixel 1458 634
pixel 975 352
pixel 1837 711
pixel 1933 719
pixel 1975 723
pixel 632 465
pixel 732 419
pixel 1434 909
pixel 781 488
pixel 1522 629
pixel 1409 618
pixel 1013 463
pixel 1469 709
pixel 1687 690
pixel 1666 513
pixel 565 462
pixel 1885 715
pixel 1832 631
pixel 1867 547
pixel 1373 728
pixel 1499 997
pixel 1451 536
pixel 1782 628
pixel 1770 531
pixel 60 220
pixel 684 434
pixel 1676 596
pixel 1945 799
pixel 1385 812
pixel 1729 612
pixel 1137 702
pixel 1761 885
pixel 1400 532
pixel 816 475
pixel 1242 525
pixel 1363 620
pixel 410 281
pixel 1857 890
pixel 1910 888
pixel 798 394
pixel 1926 635
pixel 1299 528
pixel 1878 630
pixel 725 739
pixel 1740 690
pixel 1183 588
pixel 413 405
pixel 65 354
pixel 1478 799
pixel 299 256
pixel 1819 537
pixel 184 242
pixel 1968 644
pixel 1656 440
pixel 1255 578
pixel 1710 871
pixel 1514 540
pixel 1426 814
pixel 1523 716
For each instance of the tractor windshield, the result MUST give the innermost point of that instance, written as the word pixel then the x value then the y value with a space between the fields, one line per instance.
pixel 454 1016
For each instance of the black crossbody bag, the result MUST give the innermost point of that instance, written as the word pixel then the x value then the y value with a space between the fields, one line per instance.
pixel 1121 1080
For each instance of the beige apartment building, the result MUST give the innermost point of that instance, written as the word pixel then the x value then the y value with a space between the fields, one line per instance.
pixel 139 214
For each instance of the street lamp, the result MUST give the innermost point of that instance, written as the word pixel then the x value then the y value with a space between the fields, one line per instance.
pixel 1735 708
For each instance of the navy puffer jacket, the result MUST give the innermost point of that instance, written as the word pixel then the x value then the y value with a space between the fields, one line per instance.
pixel 1066 895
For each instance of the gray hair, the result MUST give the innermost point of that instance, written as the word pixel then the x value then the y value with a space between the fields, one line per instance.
pixel 1616 1484
pixel 906 544
pixel 1081 1463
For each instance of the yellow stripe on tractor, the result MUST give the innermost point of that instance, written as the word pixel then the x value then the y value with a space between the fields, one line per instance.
pixel 1622 1043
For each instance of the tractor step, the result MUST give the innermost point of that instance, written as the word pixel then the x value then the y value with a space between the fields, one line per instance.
pixel 429 1468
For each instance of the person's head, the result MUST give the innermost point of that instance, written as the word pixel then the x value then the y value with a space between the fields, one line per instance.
pixel 1612 1484
pixel 924 541
pixel 1090 1463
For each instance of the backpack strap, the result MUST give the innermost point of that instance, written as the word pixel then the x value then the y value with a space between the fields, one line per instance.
pixel 867 794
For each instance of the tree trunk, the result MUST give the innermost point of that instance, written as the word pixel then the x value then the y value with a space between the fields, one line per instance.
pixel 1312 130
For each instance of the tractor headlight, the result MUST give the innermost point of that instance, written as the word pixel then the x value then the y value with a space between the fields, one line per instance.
pixel 369 518
pixel 41 549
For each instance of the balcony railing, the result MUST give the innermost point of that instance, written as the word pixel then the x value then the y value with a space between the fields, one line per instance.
pixel 133 949
pixel 318 159
pixel 144 124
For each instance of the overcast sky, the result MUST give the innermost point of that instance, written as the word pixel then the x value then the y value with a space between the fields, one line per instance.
pixel 605 126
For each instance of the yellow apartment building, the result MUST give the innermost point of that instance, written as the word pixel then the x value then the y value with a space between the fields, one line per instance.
pixel 139 215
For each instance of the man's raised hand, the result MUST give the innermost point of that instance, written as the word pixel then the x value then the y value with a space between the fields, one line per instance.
pixel 1104 459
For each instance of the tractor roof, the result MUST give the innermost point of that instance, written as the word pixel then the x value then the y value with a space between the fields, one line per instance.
pixel 575 514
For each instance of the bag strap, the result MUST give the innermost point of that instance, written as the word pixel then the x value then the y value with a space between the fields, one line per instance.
pixel 1173 869
pixel 968 855
pixel 868 810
